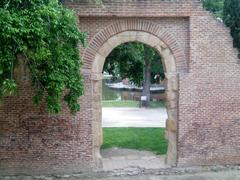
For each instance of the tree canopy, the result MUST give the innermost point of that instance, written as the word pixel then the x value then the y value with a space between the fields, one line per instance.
pixel 127 61
pixel 47 35
pixel 231 17
pixel 215 6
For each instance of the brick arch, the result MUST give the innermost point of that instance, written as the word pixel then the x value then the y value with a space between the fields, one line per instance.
pixel 135 25
pixel 100 48
pixel 168 58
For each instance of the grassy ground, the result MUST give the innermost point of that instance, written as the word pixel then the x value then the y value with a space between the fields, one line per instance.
pixel 157 104
pixel 113 103
pixel 120 103
pixel 148 139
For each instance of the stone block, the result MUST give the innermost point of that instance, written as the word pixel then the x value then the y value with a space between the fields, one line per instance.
pixel 171 125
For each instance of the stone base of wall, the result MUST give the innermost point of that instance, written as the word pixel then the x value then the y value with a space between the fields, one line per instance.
pixel 209 161
pixel 44 168
pixel 231 172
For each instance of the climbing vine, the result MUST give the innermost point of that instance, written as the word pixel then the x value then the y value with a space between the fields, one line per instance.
pixel 46 34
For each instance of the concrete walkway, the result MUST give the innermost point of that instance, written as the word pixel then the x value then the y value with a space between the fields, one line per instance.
pixel 118 158
pixel 223 175
pixel 212 175
pixel 134 117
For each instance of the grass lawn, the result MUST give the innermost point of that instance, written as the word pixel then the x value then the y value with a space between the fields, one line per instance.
pixel 157 104
pixel 148 139
pixel 113 103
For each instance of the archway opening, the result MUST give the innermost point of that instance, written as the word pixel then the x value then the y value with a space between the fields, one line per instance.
pixel 133 108
pixel 171 85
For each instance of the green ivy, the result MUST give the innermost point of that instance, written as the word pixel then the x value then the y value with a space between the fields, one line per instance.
pixel 47 35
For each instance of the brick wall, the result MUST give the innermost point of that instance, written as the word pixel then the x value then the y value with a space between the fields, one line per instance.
pixel 209 120
pixel 136 8
pixel 32 141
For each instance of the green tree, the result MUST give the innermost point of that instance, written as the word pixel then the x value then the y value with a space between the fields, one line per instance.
pixel 47 35
pixel 137 62
pixel 215 6
pixel 125 61
pixel 231 17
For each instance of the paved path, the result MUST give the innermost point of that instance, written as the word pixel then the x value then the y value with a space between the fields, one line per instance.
pixel 220 175
pixel 224 175
pixel 118 158
pixel 134 117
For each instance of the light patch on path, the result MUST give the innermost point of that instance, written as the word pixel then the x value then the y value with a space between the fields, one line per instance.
pixel 118 158
pixel 134 117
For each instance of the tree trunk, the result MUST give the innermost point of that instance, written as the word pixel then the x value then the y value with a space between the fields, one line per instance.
pixel 147 79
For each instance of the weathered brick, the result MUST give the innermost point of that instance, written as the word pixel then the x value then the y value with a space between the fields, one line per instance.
pixel 205 84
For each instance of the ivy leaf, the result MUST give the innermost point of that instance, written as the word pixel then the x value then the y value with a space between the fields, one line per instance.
pixel 9 87
pixel 47 35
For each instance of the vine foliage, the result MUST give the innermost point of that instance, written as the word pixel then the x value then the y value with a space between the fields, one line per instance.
pixel 47 35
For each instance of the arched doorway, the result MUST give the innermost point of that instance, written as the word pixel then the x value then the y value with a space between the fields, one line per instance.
pixel 172 69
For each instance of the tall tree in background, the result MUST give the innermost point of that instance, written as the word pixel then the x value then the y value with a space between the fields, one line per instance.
pixel 149 55
pixel 231 17
pixel 215 6
pixel 137 62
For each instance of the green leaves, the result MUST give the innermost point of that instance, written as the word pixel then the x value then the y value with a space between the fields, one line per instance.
pixel 9 87
pixel 215 6
pixel 231 17
pixel 47 34
pixel 128 60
